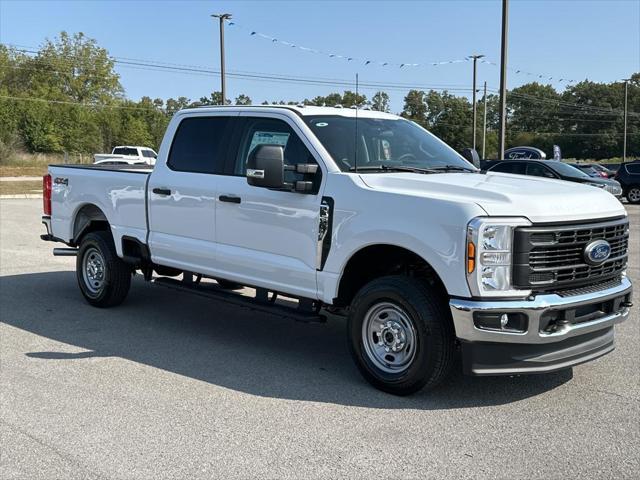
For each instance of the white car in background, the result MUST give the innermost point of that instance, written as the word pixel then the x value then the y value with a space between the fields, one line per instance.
pixel 127 155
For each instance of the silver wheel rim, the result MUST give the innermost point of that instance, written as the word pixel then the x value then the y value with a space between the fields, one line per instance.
pixel 389 337
pixel 93 270
pixel 634 194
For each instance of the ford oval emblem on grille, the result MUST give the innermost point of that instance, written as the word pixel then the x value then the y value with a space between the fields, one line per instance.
pixel 597 252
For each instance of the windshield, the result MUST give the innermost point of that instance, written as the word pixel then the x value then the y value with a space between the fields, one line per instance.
pixel 382 143
pixel 567 170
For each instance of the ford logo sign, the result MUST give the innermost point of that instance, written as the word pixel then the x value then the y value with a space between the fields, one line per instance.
pixel 597 252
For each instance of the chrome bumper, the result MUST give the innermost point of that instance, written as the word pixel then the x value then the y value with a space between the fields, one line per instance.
pixel 538 349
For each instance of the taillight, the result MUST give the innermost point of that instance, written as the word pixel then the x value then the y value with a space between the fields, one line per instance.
pixel 46 194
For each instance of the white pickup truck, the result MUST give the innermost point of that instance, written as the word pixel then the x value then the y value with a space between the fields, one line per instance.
pixel 126 155
pixel 363 215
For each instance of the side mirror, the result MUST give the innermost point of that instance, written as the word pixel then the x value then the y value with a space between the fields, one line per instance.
pixel 471 156
pixel 265 167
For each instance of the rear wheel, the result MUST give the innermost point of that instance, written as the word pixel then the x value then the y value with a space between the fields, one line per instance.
pixel 401 335
pixel 103 277
pixel 633 194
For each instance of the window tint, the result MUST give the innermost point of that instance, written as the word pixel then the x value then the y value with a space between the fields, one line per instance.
pixel 635 168
pixel 269 131
pixel 510 167
pixel 199 145
pixel 126 151
pixel 148 154
pixel 539 170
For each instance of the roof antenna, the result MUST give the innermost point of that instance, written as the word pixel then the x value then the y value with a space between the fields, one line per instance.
pixel 355 158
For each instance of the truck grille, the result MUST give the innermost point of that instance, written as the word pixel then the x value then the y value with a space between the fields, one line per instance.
pixel 552 257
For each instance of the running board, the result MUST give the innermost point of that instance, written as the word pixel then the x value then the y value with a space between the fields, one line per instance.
pixel 65 252
pixel 259 303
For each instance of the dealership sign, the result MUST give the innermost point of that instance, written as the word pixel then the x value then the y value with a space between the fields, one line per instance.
pixel 528 153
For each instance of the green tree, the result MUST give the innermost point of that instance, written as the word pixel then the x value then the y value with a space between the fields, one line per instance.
pixel 415 107
pixel 74 68
pixel 243 99
pixel 380 101
pixel 215 98
pixel 351 99
pixel 449 117
pixel 173 105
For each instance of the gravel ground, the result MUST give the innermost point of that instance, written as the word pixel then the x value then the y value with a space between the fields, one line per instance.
pixel 171 385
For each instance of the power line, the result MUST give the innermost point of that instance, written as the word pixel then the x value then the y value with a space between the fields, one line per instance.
pixel 569 108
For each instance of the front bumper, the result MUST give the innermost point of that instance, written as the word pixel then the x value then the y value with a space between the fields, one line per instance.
pixel 561 331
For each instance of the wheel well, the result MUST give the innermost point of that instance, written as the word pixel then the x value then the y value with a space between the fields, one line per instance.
pixel 377 261
pixel 88 219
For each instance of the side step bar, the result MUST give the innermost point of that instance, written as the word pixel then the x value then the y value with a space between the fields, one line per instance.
pixel 258 303
pixel 65 252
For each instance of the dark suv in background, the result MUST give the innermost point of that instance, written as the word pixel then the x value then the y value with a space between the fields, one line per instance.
pixel 629 177
pixel 552 169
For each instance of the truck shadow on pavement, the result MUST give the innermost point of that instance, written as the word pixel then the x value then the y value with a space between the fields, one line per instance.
pixel 227 346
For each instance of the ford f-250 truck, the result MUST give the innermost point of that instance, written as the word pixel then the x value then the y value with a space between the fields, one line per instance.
pixel 361 214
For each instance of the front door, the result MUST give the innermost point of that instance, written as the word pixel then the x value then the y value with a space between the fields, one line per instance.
pixel 267 237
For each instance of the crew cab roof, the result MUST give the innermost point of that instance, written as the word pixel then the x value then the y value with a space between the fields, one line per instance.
pixel 304 111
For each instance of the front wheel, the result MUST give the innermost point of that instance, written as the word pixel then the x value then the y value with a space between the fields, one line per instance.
pixel 401 335
pixel 103 277
pixel 633 194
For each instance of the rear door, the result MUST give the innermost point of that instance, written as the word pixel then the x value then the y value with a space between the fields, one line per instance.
pixel 267 237
pixel 182 193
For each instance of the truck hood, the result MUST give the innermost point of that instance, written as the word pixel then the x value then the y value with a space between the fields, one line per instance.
pixel 500 194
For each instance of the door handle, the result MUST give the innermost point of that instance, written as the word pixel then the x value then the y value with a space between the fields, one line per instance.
pixel 229 198
pixel 161 191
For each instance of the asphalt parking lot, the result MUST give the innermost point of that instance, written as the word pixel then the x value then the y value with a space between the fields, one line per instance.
pixel 171 385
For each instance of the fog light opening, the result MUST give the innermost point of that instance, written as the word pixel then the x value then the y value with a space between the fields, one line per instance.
pixel 508 322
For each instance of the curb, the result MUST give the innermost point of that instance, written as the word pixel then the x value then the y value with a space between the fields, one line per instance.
pixel 26 178
pixel 21 195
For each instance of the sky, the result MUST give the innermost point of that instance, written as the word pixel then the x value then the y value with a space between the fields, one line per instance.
pixel 570 39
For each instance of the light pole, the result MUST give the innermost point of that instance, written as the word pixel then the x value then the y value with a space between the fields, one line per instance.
pixel 475 60
pixel 503 78
pixel 222 17
pixel 484 124
pixel 624 136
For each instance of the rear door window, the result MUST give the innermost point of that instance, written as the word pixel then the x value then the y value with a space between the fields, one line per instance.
pixel 635 168
pixel 539 170
pixel 133 152
pixel 510 167
pixel 199 145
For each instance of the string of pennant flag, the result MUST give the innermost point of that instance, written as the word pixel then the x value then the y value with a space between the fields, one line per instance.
pixel 381 63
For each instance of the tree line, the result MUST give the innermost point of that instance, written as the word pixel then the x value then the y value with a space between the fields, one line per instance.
pixel 67 97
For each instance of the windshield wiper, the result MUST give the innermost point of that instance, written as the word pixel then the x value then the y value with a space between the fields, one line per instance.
pixel 453 168
pixel 388 168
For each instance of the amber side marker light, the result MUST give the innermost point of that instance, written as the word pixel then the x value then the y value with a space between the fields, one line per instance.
pixel 471 257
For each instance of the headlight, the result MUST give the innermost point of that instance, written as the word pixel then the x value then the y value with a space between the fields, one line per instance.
pixel 599 185
pixel 489 256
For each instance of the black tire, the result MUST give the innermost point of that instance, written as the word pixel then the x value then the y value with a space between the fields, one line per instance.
pixel 228 285
pixel 432 327
pixel 112 286
pixel 633 194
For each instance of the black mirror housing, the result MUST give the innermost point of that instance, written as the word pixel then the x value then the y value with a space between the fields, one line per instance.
pixel 265 167
pixel 471 156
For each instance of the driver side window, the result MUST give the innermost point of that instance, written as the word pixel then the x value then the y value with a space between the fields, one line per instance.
pixel 270 131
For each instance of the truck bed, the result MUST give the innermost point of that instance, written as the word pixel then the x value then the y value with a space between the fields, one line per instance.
pixel 119 191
